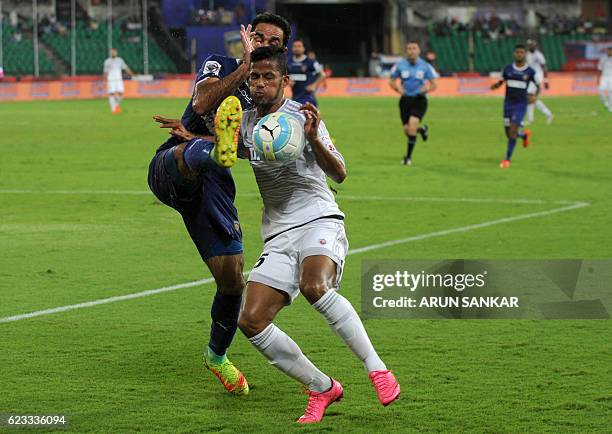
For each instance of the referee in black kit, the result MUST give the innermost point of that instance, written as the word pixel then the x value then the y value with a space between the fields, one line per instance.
pixel 417 79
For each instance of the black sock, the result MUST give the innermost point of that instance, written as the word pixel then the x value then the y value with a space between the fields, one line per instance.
pixel 411 144
pixel 224 314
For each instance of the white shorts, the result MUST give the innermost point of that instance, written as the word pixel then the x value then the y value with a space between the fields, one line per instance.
pixel 532 89
pixel 605 84
pixel 279 264
pixel 114 86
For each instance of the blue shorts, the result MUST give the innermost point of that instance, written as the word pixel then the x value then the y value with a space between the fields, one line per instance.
pixel 206 206
pixel 514 114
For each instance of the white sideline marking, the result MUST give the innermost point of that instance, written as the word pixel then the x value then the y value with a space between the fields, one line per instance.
pixel 442 233
pixel 340 196
pixel 106 300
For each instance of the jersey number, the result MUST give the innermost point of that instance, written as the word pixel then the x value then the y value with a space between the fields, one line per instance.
pixel 261 260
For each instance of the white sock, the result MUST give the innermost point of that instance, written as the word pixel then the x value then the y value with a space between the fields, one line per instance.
pixel 604 99
pixel 282 352
pixel 111 101
pixel 344 321
pixel 530 111
pixel 542 107
pixel 609 100
pixel 119 99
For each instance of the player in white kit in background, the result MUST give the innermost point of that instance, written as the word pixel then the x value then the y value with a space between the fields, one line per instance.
pixel 537 61
pixel 113 74
pixel 605 79
pixel 304 245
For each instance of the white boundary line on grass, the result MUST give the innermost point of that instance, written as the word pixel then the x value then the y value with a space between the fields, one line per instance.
pixel 340 196
pixel 572 206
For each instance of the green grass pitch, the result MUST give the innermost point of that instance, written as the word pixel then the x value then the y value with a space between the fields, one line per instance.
pixel 77 224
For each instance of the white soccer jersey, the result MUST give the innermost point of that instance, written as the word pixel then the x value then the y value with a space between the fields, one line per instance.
pixel 605 66
pixel 537 61
pixel 114 67
pixel 296 192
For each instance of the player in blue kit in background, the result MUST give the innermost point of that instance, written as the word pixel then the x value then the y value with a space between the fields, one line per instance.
pixel 190 173
pixel 517 77
pixel 417 79
pixel 305 73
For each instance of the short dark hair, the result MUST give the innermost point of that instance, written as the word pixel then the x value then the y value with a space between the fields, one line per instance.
pixel 276 54
pixel 412 41
pixel 519 47
pixel 299 40
pixel 275 20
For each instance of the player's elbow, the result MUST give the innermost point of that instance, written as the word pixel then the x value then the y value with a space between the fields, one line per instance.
pixel 340 175
pixel 198 105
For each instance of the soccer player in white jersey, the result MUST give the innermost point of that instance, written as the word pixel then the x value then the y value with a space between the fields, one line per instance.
pixel 537 61
pixel 113 74
pixel 304 245
pixel 605 79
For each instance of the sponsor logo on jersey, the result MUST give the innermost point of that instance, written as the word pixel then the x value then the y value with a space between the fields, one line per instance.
pixel 212 67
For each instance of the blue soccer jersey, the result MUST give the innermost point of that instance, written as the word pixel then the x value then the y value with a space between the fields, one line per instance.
pixel 517 83
pixel 217 66
pixel 214 66
pixel 413 75
pixel 303 72
pixel 517 86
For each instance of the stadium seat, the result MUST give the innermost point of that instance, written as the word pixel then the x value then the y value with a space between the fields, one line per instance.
pixel 19 56
pixel 92 49
pixel 452 52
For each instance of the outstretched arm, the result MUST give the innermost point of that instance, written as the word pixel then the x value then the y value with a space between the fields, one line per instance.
pixel 331 165
pixel 177 129
pixel 209 93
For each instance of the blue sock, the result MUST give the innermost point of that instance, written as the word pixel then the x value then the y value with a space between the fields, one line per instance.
pixel 197 154
pixel 510 149
pixel 224 313
pixel 521 134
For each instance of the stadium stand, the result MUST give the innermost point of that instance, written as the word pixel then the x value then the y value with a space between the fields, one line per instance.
pixel 92 48
pixel 19 54
pixel 451 46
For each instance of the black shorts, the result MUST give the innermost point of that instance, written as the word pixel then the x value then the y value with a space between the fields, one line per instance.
pixel 412 106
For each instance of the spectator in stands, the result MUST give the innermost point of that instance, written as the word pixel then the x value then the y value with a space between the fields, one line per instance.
pixel 17 35
pixel 13 18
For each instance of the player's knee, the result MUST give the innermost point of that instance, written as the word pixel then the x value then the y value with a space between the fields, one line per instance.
pixel 232 282
pixel 251 324
pixel 313 290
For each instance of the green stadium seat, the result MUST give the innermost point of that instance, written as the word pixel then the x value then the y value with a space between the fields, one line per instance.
pixel 452 52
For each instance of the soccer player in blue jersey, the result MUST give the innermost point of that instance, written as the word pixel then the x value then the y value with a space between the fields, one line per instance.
pixel 517 77
pixel 305 73
pixel 418 78
pixel 190 173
